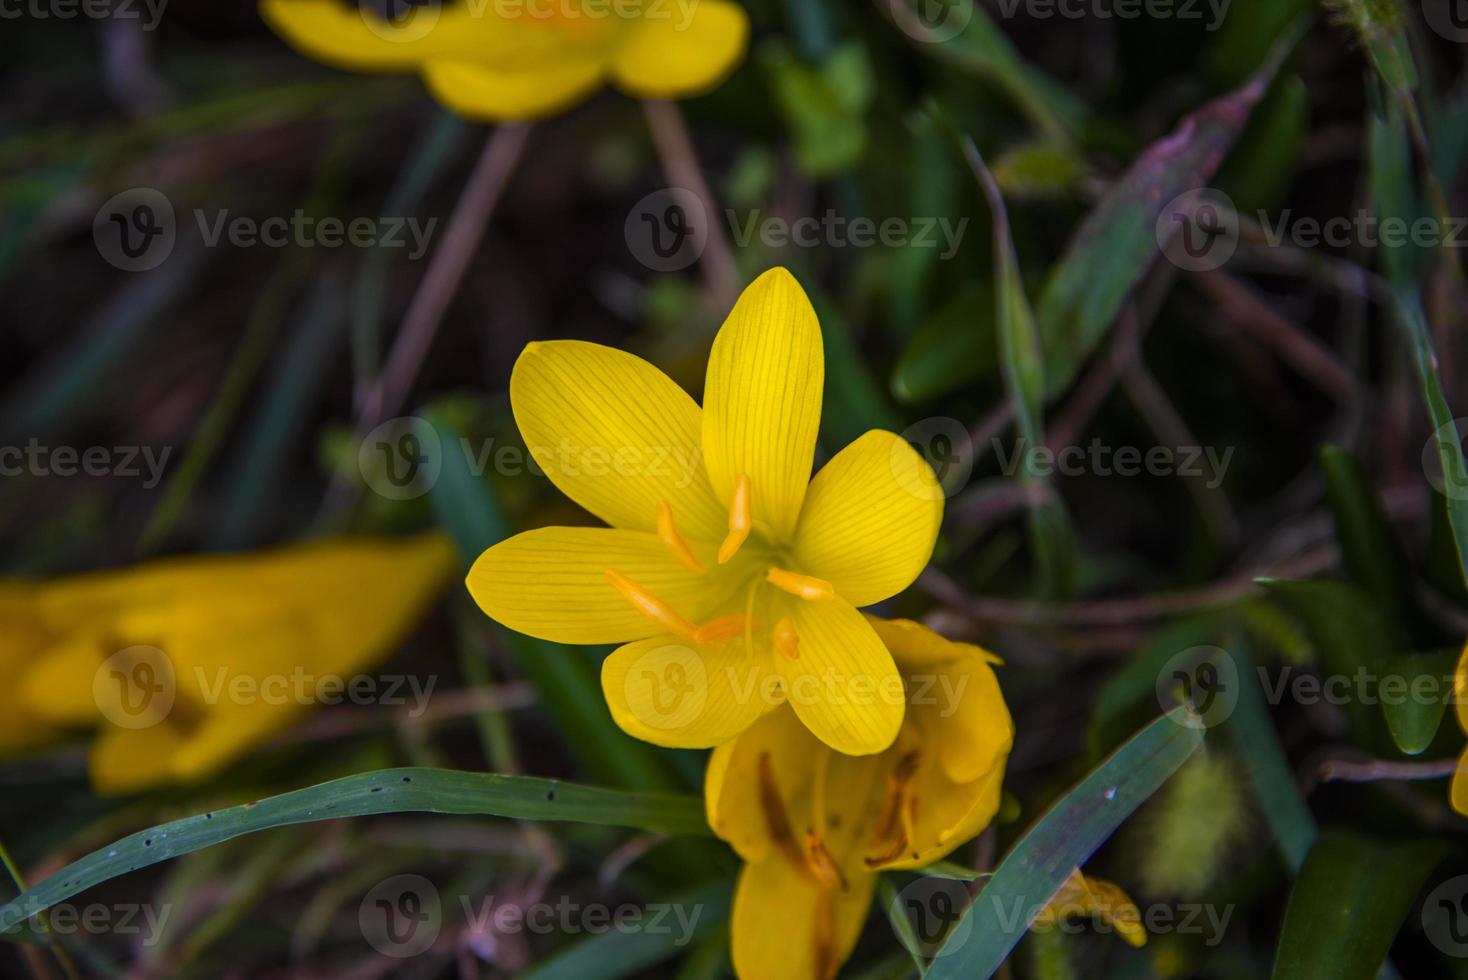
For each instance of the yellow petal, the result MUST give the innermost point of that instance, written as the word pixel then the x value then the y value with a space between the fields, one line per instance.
pixel 126 760
pixel 786 927
pixel 732 782
pixel 977 731
pixel 59 685
pixel 916 647
pixel 1083 896
pixel 552 583
pixel 680 52
pixel 479 90
pixel 356 38
pixel 1460 690
pixel 844 685
pixel 870 519
pixel 1458 792
pixel 670 693
pixel 762 400
pixel 616 435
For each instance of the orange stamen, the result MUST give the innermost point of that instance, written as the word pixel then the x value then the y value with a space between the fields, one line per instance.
pixel 652 607
pixel 803 586
pixel 723 628
pixel 787 641
pixel 894 826
pixel 673 541
pixel 777 821
pixel 741 519
pixel 822 865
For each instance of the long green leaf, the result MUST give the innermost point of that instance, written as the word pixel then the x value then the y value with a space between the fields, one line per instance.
pixel 1061 841
pixel 385 791
pixel 1369 546
pixel 1348 904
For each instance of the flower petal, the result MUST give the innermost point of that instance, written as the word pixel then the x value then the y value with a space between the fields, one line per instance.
pixel 616 435
pixel 477 90
pixel 870 519
pixel 673 53
pixel 785 925
pixel 732 782
pixel 844 684
pixel 1458 791
pixel 551 583
pixel 123 760
pixel 356 38
pixel 1460 690
pixel 667 692
pixel 762 400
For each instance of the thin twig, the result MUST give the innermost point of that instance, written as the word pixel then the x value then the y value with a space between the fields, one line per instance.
pixel 681 166
pixel 1372 770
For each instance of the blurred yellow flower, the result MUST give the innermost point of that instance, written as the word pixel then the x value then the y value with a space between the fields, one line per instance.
pixel 524 59
pixel 21 634
pixel 184 665
pixel 1458 791
pixel 724 557
pixel 814 827
pixel 1082 897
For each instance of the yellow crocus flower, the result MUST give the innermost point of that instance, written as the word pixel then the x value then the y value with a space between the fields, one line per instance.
pixel 1458 791
pixel 21 633
pixel 724 556
pixel 508 60
pixel 185 664
pixel 814 827
pixel 1083 897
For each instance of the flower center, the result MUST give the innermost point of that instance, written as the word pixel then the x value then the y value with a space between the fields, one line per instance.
pixel 744 579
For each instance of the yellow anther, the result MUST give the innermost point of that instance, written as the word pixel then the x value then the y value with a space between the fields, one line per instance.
pixel 787 641
pixel 673 541
pixel 894 827
pixel 652 607
pixel 741 520
pixel 821 864
pixel 723 628
pixel 803 586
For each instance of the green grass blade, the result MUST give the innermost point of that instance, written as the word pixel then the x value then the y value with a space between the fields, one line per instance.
pixel 682 920
pixel 1348 904
pixel 385 791
pixel 1061 841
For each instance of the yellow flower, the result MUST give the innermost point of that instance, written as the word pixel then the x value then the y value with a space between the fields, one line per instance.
pixel 1458 792
pixel 186 664
pixel 1082 897
pixel 814 826
pixel 525 59
pixel 728 571
pixel 21 633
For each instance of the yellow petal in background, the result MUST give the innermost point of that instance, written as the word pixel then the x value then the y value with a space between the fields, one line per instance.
pixel 844 685
pixel 1081 896
pixel 1458 790
pixel 676 51
pixel 1460 690
pixel 489 92
pixel 665 691
pixel 870 519
pixel 616 435
pixel 762 400
pixel 552 583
